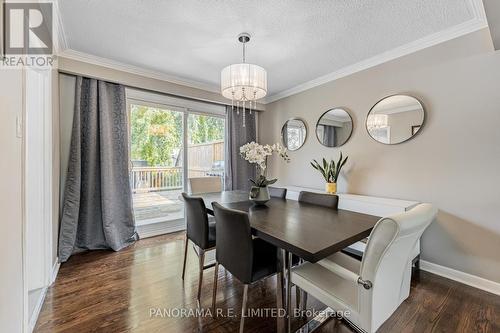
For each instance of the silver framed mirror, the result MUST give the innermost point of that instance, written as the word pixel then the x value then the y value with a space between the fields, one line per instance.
pixel 395 119
pixel 294 133
pixel 334 127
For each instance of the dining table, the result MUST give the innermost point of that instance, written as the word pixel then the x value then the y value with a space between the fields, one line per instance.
pixel 308 231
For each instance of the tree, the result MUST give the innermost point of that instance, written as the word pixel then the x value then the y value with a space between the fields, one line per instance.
pixel 202 129
pixel 156 134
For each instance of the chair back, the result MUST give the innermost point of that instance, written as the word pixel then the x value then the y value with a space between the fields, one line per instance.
pixel 387 261
pixel 205 184
pixel 277 192
pixel 320 199
pixel 196 220
pixel 234 242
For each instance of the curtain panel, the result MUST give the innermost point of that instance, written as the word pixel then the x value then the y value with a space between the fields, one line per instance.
pixel 97 206
pixel 238 171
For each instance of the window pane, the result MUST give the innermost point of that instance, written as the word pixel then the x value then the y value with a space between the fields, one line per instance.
pixel 156 155
pixel 205 146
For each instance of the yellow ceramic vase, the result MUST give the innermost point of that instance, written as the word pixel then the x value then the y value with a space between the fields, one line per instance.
pixel 331 188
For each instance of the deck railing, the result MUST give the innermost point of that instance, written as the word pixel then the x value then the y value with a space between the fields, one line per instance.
pixel 155 178
pixel 201 158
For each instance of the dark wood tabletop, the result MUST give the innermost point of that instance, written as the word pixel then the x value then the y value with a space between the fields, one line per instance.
pixel 308 231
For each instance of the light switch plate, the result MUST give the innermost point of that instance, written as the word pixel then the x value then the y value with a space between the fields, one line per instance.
pixel 19 127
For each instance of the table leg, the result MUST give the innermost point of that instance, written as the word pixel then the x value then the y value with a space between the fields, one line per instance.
pixel 320 319
pixel 280 291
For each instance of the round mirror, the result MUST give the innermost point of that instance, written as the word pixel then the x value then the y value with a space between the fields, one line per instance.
pixel 293 133
pixel 334 127
pixel 395 119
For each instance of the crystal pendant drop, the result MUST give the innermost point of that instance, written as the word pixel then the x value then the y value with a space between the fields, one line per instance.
pixel 244 120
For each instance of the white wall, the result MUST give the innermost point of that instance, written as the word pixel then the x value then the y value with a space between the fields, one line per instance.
pixel 453 162
pixel 11 169
pixel 34 181
pixel 401 123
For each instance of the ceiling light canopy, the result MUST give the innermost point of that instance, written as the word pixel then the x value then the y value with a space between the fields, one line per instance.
pixel 243 83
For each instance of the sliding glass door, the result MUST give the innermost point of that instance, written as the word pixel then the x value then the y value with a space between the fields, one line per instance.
pixel 156 152
pixel 169 145
pixel 205 145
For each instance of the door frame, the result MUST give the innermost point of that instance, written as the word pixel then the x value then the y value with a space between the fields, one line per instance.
pixel 186 107
pixel 48 267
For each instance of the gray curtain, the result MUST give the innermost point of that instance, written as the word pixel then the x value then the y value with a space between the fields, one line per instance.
pixel 238 171
pixel 329 136
pixel 97 209
pixel 284 135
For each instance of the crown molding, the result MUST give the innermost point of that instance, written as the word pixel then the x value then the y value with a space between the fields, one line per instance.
pixel 117 65
pixel 477 23
pixel 62 43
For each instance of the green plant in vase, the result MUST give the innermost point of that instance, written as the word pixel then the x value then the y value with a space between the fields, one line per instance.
pixel 257 154
pixel 330 172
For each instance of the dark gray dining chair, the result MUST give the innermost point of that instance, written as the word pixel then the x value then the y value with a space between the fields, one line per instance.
pixel 199 231
pixel 330 201
pixel 277 192
pixel 246 258
pixel 320 199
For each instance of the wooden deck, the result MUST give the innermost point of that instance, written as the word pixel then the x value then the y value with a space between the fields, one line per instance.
pixel 150 207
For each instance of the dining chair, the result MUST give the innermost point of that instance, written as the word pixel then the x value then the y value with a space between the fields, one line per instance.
pixel 320 199
pixel 246 258
pixel 277 192
pixel 210 184
pixel 373 288
pixel 199 231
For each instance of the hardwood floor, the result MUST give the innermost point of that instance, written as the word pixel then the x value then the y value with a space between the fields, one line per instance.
pixel 104 291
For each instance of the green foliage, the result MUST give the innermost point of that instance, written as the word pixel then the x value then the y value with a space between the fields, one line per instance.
pixel 262 181
pixel 330 171
pixel 203 129
pixel 156 134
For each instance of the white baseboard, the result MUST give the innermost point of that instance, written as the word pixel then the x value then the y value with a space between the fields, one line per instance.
pixel 41 299
pixel 160 228
pixel 462 277
pixel 36 311
pixel 55 271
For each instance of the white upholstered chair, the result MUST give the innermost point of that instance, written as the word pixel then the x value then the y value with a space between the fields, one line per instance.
pixel 371 290
pixel 205 184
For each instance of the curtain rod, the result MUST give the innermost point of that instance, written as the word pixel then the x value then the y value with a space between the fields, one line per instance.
pixel 66 72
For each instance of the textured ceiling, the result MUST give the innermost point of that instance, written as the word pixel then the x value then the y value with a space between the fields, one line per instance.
pixel 296 41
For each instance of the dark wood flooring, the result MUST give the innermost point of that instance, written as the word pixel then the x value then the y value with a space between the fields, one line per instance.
pixel 103 291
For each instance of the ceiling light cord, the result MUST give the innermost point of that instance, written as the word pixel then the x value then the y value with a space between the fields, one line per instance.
pixel 244 43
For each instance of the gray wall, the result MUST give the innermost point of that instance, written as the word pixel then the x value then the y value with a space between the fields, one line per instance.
pixel 453 162
pixel 76 67
pixel 67 106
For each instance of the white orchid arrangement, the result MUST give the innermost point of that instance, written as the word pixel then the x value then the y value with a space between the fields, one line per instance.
pixel 257 154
